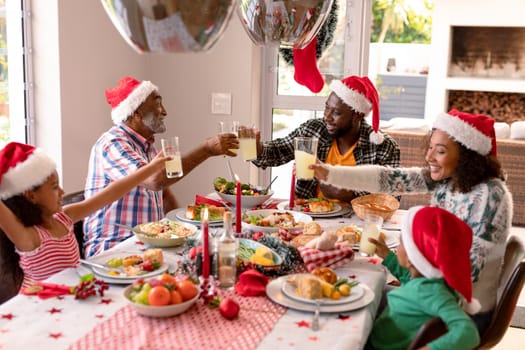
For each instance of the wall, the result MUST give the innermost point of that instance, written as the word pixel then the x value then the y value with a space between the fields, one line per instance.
pixel 78 54
pixel 450 13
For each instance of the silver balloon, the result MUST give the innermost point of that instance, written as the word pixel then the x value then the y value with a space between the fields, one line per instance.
pixel 288 23
pixel 170 25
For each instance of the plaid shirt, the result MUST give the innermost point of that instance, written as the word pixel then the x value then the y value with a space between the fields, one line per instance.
pixel 281 151
pixel 117 153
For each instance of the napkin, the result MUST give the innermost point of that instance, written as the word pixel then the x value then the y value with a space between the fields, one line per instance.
pixel 251 283
pixel 46 290
pixel 205 200
pixel 334 258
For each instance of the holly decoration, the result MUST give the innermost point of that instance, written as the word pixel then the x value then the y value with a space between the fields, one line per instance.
pixel 325 36
pixel 88 286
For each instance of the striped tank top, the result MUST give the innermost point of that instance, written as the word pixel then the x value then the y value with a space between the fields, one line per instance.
pixel 52 256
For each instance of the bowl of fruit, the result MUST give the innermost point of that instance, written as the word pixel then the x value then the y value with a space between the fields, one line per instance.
pixel 251 196
pixel 161 296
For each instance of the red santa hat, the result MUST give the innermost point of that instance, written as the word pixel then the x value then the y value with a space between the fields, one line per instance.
pixel 22 167
pixel 127 96
pixel 438 244
pixel 474 131
pixel 361 95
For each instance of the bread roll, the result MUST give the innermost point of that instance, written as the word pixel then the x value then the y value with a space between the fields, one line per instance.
pixel 155 255
pixel 309 287
pixel 312 228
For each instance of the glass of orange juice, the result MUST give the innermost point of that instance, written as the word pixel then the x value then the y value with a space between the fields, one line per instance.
pixel 305 149
pixel 170 147
pixel 247 143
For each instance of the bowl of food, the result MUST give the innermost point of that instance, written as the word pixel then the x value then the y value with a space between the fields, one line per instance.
pixel 258 254
pixel 163 296
pixel 271 220
pixel 251 196
pixel 381 204
pixel 164 233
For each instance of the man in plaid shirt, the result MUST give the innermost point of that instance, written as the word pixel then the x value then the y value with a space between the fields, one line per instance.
pixel 138 114
pixel 344 136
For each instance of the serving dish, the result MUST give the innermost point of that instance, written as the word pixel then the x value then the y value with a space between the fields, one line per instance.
pixel 180 215
pixel 299 218
pixel 159 311
pixel 180 233
pixel 247 202
pixel 253 245
pixel 338 210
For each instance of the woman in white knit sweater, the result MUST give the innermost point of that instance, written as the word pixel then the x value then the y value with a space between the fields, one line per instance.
pixel 465 178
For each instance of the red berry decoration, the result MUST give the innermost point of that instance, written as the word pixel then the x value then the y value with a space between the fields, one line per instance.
pixel 229 308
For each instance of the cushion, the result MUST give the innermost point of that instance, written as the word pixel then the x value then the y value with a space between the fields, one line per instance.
pixel 405 124
pixel 517 130
pixel 502 130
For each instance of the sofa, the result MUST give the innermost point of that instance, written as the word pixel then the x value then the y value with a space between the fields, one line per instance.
pixel 511 154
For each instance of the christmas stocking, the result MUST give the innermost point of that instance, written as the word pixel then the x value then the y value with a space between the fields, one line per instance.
pixel 306 70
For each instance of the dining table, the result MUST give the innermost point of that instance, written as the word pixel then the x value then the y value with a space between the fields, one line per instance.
pixel 109 322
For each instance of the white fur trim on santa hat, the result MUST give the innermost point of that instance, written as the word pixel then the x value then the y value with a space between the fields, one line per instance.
pixel 27 174
pixel 376 138
pixel 470 308
pixel 351 98
pixel 132 102
pixel 360 178
pixel 464 133
pixel 414 254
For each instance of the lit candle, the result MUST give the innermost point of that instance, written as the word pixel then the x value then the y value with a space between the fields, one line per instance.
pixel 291 204
pixel 238 205
pixel 205 244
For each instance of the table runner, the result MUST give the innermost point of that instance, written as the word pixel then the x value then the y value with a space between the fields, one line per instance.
pixel 198 328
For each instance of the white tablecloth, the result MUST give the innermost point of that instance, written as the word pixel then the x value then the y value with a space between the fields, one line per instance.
pixel 27 322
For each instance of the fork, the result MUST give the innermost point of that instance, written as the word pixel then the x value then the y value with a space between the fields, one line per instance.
pixel 315 321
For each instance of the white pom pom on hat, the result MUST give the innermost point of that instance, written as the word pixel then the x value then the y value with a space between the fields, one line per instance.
pixel 127 96
pixel 438 245
pixel 22 167
pixel 361 95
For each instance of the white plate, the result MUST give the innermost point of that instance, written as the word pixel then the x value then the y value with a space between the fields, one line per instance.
pixel 275 293
pixel 298 217
pixel 180 215
pixel 355 293
pixel 338 210
pixel 103 273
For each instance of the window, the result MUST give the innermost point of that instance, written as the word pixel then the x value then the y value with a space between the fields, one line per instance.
pixel 13 72
pixel 351 53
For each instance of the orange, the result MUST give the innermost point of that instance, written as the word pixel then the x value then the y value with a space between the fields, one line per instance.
pixel 187 289
pixel 176 298
pixel 159 296
pixel 166 278
pixel 336 295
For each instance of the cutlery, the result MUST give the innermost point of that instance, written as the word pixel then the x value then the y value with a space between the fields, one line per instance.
pixel 268 187
pixel 230 170
pixel 99 266
pixel 315 321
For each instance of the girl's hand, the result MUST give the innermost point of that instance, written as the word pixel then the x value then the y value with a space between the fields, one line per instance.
pixel 320 170
pixel 382 249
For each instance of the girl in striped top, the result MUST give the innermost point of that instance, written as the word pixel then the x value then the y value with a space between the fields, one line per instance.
pixel 36 232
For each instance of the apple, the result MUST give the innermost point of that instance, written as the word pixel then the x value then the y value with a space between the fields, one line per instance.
pixel 229 308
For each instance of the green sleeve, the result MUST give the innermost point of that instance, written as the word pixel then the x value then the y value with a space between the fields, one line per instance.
pixel 391 263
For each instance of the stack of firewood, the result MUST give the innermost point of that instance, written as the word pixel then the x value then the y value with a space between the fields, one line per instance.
pixel 503 107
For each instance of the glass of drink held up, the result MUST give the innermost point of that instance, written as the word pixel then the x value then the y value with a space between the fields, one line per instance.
pixel 229 128
pixel 305 154
pixel 247 143
pixel 371 229
pixel 170 147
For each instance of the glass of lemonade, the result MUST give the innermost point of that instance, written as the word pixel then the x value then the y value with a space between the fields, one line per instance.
pixel 247 143
pixel 230 128
pixel 371 229
pixel 305 155
pixel 170 147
